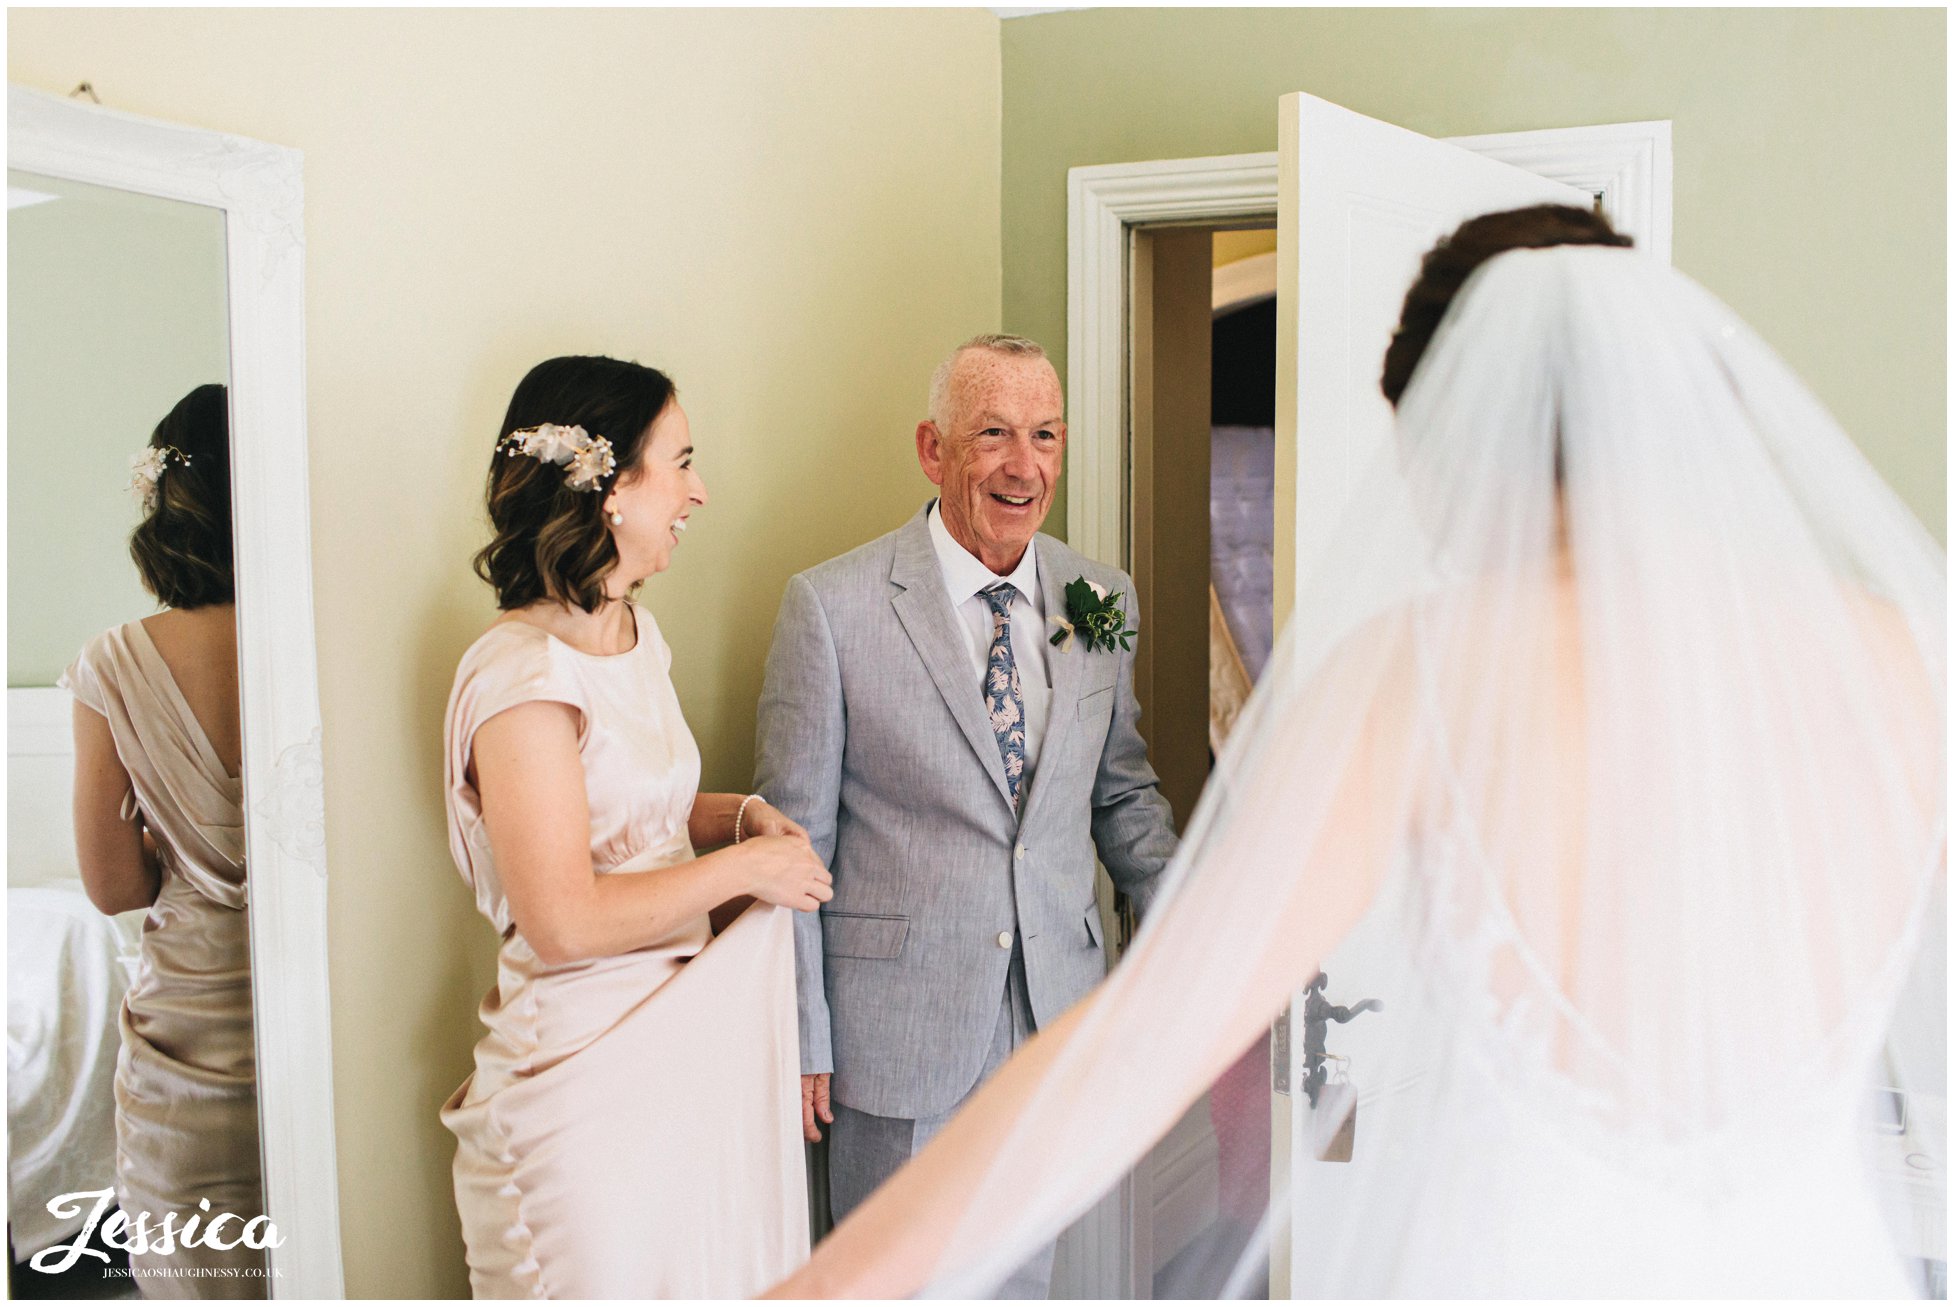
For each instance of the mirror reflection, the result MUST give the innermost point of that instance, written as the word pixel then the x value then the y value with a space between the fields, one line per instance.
pixel 133 1159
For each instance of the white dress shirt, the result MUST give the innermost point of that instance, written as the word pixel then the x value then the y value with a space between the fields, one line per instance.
pixel 964 577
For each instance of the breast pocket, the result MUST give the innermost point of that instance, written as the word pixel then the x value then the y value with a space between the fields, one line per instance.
pixel 862 935
pixel 1097 703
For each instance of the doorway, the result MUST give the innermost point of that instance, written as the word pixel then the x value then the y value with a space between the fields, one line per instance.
pixel 1201 472
pixel 1202 533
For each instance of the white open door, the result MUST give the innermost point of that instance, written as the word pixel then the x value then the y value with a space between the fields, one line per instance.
pixel 1359 203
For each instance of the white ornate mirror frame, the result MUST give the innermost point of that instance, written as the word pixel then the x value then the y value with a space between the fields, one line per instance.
pixel 258 188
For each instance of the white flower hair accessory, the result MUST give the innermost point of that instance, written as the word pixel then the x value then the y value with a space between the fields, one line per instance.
pixel 586 459
pixel 146 471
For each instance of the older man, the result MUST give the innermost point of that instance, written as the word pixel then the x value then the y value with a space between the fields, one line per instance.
pixel 956 771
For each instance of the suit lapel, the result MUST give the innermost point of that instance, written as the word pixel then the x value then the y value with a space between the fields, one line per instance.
pixel 923 608
pixel 1063 666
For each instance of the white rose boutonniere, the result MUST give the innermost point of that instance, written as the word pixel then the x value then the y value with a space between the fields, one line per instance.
pixel 1098 616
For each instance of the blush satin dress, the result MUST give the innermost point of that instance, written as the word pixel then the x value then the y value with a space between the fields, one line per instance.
pixel 632 1125
pixel 186 1086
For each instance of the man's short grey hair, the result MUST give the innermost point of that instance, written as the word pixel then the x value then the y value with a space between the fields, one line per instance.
pixel 1016 346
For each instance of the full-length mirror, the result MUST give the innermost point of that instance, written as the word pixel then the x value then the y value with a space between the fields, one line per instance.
pixel 133 1075
pixel 169 1129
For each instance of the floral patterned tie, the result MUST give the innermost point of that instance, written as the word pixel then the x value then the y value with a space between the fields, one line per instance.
pixel 1003 695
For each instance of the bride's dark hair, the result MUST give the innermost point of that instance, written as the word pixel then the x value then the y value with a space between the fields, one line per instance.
pixel 182 548
pixel 1459 255
pixel 551 542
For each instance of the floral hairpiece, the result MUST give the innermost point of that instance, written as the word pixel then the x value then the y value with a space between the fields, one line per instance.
pixel 586 459
pixel 146 469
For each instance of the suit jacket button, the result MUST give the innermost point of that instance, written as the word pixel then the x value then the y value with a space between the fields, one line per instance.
pixel 1018 853
pixel 1004 939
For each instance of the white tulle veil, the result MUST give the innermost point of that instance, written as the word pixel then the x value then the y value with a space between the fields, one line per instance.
pixel 1605 747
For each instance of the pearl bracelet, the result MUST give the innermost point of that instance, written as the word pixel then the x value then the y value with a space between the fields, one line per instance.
pixel 739 818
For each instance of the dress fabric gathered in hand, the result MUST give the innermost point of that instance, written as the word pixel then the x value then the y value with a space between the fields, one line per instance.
pixel 632 1126
pixel 1605 746
pixel 186 1101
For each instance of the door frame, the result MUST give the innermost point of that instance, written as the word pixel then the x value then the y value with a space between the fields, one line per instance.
pixel 1628 167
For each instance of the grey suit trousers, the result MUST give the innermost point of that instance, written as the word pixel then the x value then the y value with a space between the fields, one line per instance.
pixel 864 1150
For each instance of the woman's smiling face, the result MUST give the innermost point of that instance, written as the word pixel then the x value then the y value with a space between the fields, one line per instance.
pixel 656 498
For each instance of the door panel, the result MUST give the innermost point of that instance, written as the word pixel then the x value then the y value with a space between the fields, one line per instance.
pixel 1360 201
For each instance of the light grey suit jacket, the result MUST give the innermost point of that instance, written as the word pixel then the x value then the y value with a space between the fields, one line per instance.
pixel 873 735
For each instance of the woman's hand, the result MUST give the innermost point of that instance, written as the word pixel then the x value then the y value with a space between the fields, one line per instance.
pixel 762 818
pixel 783 869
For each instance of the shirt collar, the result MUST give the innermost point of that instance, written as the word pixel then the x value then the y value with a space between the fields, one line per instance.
pixel 964 576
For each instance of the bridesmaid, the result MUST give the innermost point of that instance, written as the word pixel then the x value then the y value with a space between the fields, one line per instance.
pixel 632 1126
pixel 159 824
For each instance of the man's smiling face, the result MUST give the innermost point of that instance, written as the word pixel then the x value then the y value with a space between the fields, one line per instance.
pixel 997 453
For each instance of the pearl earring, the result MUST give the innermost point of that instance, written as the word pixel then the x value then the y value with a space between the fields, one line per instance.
pixel 617 518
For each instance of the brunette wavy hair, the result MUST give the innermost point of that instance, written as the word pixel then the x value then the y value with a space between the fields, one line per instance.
pixel 552 542
pixel 1459 255
pixel 182 548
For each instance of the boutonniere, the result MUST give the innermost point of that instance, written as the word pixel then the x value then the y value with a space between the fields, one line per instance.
pixel 1094 614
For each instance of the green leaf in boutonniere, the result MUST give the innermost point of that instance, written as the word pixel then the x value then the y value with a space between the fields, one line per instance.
pixel 1092 613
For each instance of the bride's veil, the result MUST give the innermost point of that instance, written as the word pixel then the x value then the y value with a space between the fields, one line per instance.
pixel 1605 747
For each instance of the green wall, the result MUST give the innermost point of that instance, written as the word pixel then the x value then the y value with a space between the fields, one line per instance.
pixel 115 311
pixel 1810 155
